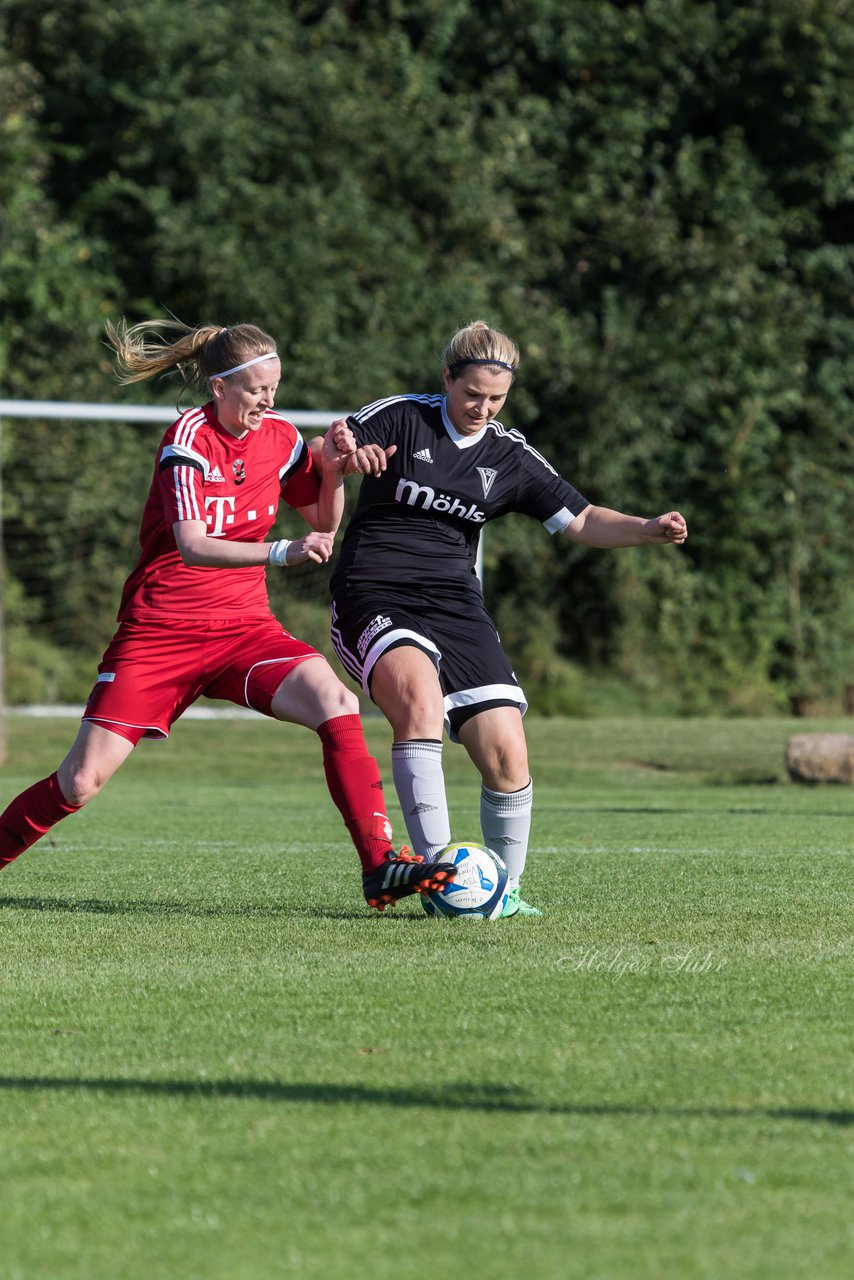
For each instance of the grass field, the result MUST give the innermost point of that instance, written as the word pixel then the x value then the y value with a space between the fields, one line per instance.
pixel 216 1062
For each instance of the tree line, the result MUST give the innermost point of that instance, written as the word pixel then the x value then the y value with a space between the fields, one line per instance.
pixel 656 200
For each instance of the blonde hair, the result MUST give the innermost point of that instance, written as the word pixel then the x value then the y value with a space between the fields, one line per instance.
pixel 198 353
pixel 477 343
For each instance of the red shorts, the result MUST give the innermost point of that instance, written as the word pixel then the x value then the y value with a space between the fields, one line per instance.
pixel 151 672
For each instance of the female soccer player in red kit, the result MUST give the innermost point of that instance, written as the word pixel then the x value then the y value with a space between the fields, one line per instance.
pixel 194 618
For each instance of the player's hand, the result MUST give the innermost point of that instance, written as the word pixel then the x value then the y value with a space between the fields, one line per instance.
pixel 337 446
pixel 316 546
pixel 671 527
pixel 359 460
pixel 369 459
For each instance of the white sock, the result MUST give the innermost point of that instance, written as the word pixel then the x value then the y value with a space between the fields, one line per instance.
pixel 505 820
pixel 420 785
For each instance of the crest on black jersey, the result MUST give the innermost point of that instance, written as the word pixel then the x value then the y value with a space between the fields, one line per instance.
pixel 487 477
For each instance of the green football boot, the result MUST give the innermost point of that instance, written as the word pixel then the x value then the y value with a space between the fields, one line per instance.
pixel 517 906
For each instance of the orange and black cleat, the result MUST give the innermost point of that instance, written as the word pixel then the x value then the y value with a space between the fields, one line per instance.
pixel 403 874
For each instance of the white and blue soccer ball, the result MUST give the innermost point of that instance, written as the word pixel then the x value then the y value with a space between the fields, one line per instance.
pixel 479 889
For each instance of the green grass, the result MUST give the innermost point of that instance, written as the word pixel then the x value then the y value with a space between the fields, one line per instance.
pixel 217 1063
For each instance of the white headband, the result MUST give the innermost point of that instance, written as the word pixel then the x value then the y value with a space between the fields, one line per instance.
pixel 270 355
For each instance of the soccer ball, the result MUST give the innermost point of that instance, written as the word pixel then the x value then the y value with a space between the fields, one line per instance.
pixel 479 890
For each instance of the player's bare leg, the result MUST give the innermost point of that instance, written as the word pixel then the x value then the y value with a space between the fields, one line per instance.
pixel 405 686
pixel 93 759
pixel 96 755
pixel 311 694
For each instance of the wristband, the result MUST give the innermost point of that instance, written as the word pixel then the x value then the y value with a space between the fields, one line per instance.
pixel 278 553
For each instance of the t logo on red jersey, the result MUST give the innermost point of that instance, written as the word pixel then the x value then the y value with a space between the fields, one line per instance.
pixel 219 519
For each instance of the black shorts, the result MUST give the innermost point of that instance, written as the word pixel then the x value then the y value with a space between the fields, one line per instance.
pixel 474 671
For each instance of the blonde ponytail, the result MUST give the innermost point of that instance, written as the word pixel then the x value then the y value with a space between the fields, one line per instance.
pixel 198 353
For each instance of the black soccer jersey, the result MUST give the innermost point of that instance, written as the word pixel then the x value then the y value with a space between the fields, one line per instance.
pixel 419 522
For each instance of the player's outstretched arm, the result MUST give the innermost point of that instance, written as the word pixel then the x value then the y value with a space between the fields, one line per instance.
pixel 316 546
pixel 200 551
pixel 602 527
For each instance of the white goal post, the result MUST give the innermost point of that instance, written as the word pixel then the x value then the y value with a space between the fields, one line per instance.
pixel 43 409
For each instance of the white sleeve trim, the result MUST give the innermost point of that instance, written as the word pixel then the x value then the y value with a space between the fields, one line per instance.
pixel 560 521
pixel 191 455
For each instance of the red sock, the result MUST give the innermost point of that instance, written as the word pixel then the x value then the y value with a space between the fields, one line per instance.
pixel 355 785
pixel 30 816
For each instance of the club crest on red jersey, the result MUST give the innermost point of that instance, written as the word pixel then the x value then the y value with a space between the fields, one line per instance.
pixel 239 469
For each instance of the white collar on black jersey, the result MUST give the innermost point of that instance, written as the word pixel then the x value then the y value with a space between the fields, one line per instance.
pixel 461 441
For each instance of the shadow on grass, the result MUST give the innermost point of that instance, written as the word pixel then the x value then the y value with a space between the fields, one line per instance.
pixel 144 906
pixel 718 779
pixel 473 1098
pixel 654 810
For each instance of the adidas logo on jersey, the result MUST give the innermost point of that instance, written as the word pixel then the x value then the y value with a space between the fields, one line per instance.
pixel 423 455
pixel 216 476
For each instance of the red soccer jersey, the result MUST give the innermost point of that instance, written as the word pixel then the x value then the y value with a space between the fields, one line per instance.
pixel 204 473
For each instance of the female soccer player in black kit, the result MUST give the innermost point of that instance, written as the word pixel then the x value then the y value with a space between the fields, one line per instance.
pixel 408 617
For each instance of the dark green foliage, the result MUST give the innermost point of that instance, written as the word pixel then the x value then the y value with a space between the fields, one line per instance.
pixel 656 200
